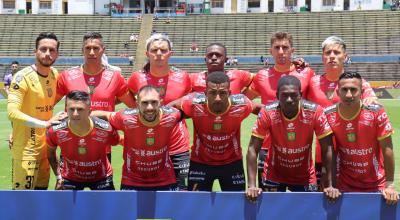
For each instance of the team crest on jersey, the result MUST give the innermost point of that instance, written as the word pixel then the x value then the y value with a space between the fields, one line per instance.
pixel 49 92
pixel 330 94
pixel 149 141
pixel 91 89
pixel 217 126
pixel 82 150
pixel 351 137
pixel 161 90
pixel 291 136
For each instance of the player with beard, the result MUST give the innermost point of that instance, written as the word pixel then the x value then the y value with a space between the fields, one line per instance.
pixel 323 88
pixel 147 129
pixel 30 107
pixel 172 84
pixel 266 80
pixel 215 58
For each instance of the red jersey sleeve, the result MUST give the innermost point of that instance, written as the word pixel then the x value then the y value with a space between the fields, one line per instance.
pixel 61 87
pixel 186 105
pixel 51 140
pixel 246 78
pixel 255 83
pixel 122 86
pixel 367 90
pixel 321 125
pixel 133 82
pixel 114 138
pixel 384 128
pixel 116 120
pixel 262 124
pixel 187 83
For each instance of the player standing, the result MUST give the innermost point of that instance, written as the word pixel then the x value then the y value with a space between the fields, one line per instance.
pixel 265 81
pixel 83 141
pixel 172 84
pixel 104 84
pixel 363 141
pixel 30 107
pixel 215 58
pixel 322 88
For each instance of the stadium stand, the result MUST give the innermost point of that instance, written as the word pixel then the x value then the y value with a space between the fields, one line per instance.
pixel 367 32
pixel 18 34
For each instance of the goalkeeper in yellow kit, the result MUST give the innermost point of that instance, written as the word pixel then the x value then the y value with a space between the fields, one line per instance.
pixel 30 109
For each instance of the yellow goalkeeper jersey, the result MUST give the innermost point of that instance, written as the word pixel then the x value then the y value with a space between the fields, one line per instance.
pixel 31 94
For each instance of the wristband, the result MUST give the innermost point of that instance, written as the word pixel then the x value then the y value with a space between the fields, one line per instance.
pixel 59 177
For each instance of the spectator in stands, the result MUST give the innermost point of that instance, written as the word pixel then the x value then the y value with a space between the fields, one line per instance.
pixel 8 75
pixel 290 124
pixel 363 134
pixel 172 84
pixel 134 37
pixel 168 20
pixel 194 47
pixel 82 140
pixel 126 45
pixel 30 110
pixel 131 60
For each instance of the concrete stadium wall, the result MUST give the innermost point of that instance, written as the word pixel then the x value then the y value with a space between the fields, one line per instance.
pixel 189 205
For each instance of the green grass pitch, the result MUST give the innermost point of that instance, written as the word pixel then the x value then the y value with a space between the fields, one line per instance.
pixel 5 156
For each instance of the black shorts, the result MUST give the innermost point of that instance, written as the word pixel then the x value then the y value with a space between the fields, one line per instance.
pixel 181 168
pixel 105 184
pixel 270 186
pixel 172 187
pixel 231 176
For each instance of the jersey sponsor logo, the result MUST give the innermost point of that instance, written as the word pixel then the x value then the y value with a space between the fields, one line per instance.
pixel 349 127
pixel 238 99
pixel 62 134
pixel 101 133
pixel 18 78
pixel 368 116
pixel 60 126
pixel 351 137
pixel 382 117
pixel 131 111
pixel 358 152
pixel 291 136
pixel 150 131
pixel 290 126
pixel 102 124
pixel 99 103
pixel 130 123
pixel 388 127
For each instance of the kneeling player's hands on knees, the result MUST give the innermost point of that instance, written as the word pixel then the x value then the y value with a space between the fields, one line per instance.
pixel 252 193
pixel 390 195
pixel 332 193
